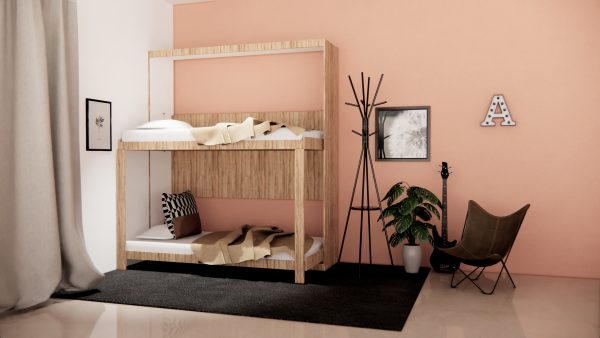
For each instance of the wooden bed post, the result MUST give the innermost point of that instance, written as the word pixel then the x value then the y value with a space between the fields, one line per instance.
pixel 121 233
pixel 330 155
pixel 299 215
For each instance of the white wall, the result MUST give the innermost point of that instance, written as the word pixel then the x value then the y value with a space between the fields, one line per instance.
pixel 114 38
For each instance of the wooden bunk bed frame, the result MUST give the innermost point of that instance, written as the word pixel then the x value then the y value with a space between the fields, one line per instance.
pixel 297 170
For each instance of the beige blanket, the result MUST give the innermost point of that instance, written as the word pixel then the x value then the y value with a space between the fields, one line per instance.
pixel 225 133
pixel 244 244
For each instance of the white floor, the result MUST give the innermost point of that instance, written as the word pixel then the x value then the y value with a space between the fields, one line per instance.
pixel 539 307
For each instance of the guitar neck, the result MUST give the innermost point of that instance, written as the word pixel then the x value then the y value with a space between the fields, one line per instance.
pixel 444 211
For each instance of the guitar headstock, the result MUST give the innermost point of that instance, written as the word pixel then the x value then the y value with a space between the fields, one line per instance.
pixel 444 172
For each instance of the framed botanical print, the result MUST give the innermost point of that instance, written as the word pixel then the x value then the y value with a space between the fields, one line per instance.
pixel 98 126
pixel 402 133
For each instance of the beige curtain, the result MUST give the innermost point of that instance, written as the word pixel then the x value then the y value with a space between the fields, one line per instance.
pixel 41 240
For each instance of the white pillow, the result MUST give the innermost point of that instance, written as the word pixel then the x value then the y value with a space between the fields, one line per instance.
pixel 165 124
pixel 157 232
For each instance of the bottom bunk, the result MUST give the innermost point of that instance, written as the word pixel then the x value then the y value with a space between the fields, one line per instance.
pixel 180 251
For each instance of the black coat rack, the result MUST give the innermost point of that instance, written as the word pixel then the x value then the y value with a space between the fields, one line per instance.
pixel 365 162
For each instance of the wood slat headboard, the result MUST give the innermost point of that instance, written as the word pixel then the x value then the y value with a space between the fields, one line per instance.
pixel 245 174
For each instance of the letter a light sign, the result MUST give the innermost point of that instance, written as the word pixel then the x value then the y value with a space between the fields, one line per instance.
pixel 498 109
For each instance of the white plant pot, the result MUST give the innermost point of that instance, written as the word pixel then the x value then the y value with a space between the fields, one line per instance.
pixel 411 256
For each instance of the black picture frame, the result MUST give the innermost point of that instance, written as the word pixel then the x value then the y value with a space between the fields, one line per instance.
pixel 411 138
pixel 98 125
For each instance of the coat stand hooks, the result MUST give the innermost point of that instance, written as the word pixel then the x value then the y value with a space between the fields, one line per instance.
pixel 365 162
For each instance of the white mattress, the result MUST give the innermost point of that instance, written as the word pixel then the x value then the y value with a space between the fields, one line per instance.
pixel 151 135
pixel 183 246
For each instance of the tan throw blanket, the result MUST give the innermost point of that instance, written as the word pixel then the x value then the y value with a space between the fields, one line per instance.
pixel 225 133
pixel 244 244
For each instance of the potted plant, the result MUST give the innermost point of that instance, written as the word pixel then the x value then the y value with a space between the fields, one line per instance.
pixel 410 219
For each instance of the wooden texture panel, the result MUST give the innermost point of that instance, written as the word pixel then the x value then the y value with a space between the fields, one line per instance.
pixel 242 174
pixel 299 214
pixel 311 262
pixel 121 211
pixel 310 120
pixel 245 174
pixel 330 155
pixel 292 46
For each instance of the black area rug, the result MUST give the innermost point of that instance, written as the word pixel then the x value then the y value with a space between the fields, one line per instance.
pixel 381 299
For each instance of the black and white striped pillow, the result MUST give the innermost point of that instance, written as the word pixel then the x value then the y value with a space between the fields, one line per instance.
pixel 178 205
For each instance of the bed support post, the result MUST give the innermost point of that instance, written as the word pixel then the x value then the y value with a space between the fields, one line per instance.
pixel 299 215
pixel 121 254
pixel 330 155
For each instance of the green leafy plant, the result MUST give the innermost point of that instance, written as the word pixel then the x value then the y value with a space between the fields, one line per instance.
pixel 411 214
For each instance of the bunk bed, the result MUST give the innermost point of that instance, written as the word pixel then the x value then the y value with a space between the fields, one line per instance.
pixel 300 169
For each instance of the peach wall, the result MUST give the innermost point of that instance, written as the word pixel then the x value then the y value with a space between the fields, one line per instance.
pixel 543 55
pixel 249 83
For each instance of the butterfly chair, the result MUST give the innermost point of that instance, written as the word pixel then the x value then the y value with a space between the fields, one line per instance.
pixel 486 241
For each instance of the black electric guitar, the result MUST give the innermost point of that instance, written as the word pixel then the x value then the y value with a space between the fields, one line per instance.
pixel 440 261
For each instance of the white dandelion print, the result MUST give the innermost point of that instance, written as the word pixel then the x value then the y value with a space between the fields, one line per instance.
pixel 405 134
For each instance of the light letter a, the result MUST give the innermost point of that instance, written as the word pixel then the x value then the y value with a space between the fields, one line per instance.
pixel 498 108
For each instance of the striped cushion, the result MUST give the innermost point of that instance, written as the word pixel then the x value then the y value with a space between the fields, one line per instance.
pixel 178 205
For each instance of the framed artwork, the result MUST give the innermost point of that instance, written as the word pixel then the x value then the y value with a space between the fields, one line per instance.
pixel 98 125
pixel 402 133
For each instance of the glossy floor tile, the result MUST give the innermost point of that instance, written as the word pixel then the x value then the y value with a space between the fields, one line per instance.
pixel 539 307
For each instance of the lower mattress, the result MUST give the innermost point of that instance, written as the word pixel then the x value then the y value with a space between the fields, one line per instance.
pixel 183 246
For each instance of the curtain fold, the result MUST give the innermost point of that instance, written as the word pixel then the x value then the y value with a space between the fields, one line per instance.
pixel 41 244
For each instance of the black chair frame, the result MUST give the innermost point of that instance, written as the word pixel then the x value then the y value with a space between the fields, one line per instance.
pixel 472 280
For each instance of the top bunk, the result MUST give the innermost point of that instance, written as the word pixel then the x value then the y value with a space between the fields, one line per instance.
pixel 323 121
pixel 177 135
